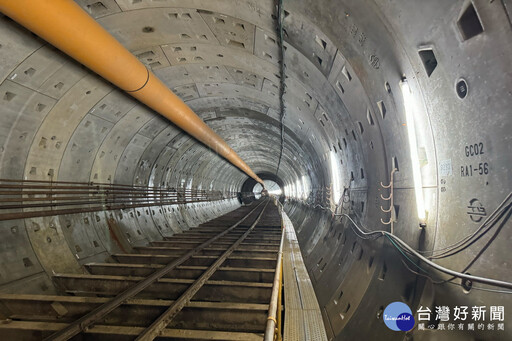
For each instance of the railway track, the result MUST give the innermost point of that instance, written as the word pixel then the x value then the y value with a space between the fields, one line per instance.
pixel 213 282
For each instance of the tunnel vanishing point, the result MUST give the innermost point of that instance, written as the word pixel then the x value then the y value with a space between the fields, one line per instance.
pixel 255 170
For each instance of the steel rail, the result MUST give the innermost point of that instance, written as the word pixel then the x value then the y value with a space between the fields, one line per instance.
pixel 103 201
pixel 90 318
pixel 47 213
pixel 31 194
pixel 156 328
pixel 90 187
pixel 75 183
pixel 104 191
pixel 272 318
pixel 49 197
pixel 36 187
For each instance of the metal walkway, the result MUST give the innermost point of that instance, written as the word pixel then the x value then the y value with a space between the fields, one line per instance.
pixel 213 282
pixel 303 319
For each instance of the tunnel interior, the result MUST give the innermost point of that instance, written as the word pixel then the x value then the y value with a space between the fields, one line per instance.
pixel 272 188
pixel 343 136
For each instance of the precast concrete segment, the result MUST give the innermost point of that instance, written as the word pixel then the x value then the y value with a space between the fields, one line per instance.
pixel 65 25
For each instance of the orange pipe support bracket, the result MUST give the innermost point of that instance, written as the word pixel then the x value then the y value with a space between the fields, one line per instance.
pixel 69 28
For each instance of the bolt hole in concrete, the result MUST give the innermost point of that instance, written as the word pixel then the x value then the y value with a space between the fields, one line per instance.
pixel 469 23
pixel 380 312
pixel 461 88
pixel 429 60
pixel 387 87
pixel 466 284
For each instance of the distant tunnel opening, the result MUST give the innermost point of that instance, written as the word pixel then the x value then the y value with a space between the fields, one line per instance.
pixel 271 186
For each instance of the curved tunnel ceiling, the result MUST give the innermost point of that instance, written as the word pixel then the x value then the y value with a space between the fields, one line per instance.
pixel 179 46
pixel 343 64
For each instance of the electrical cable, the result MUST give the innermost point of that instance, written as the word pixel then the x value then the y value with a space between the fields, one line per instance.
pixel 282 76
pixel 475 239
pixel 464 243
pixel 442 281
pixel 496 216
pixel 404 246
pixel 454 273
pixel 487 289
pixel 342 201
pixel 490 218
pixel 487 244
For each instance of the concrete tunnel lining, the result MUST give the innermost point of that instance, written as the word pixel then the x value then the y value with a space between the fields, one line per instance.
pixel 344 61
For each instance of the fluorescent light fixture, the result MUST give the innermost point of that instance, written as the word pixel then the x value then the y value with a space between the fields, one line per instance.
pixel 188 195
pixel 413 146
pixel 335 171
pixel 305 187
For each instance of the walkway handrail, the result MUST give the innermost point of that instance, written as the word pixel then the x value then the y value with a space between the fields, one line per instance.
pixel 273 329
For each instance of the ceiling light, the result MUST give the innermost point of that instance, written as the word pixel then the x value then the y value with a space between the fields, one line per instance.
pixel 410 109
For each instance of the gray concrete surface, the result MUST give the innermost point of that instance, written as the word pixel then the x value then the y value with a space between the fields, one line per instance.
pixel 344 60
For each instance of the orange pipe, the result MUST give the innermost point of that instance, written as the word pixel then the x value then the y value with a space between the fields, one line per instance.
pixel 66 26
